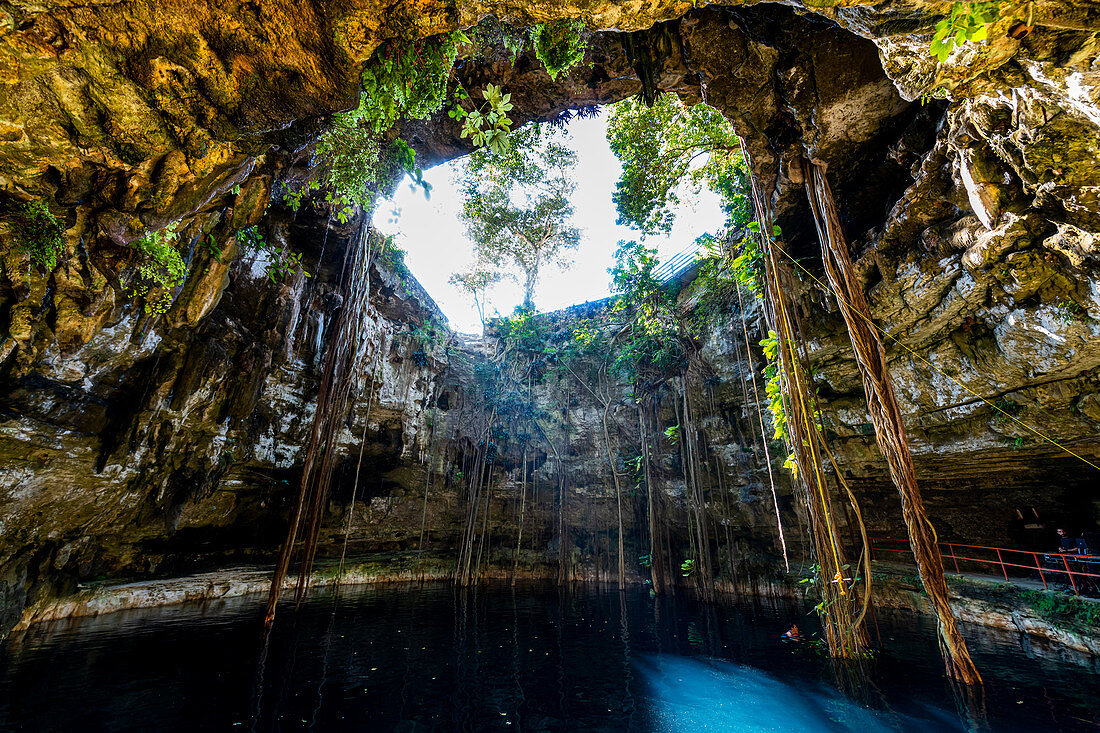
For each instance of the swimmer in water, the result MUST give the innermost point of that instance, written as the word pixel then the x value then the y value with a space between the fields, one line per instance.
pixel 792 633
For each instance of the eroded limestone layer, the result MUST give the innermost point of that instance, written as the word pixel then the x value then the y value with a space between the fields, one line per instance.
pixel 132 446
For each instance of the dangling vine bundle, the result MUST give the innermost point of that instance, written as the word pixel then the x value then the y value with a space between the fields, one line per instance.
pixel 886 416
pixel 844 632
pixel 343 361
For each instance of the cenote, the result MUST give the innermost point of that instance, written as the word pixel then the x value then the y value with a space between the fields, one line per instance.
pixel 550 365
pixel 437 657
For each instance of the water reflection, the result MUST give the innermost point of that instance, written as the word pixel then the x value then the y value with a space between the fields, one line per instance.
pixel 415 658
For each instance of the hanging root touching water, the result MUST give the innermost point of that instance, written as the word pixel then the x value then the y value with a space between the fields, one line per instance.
pixel 886 416
pixel 844 633
pixel 343 360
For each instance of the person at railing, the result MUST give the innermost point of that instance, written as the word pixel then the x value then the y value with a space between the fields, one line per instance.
pixel 1066 545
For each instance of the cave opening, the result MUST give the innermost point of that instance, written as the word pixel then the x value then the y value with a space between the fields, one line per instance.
pixel 430 228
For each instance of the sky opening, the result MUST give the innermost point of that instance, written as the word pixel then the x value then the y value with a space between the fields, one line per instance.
pixel 433 235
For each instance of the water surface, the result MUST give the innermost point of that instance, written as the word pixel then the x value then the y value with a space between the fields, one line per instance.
pixel 433 658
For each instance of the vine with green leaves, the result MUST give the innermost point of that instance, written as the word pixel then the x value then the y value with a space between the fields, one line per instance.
pixel 160 270
pixel 967 22
pixel 37 233
pixel 280 260
pixel 403 80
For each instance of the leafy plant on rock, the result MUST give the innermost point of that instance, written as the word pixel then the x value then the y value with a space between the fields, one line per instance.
pixel 160 270
pixel 489 124
pixel 280 260
pixel 966 22
pixel 403 80
pixel 650 343
pixel 559 45
pixel 38 233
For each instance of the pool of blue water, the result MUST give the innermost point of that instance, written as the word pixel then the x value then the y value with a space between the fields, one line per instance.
pixel 435 658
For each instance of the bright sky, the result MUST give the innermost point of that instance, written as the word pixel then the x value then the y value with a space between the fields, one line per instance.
pixel 434 238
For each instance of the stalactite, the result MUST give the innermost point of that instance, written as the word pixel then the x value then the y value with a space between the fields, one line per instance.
pixel 886 416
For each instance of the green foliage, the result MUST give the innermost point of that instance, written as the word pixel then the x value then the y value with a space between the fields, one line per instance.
pixel 559 45
pixel 348 154
pixel 38 233
pixel 651 347
pixel 476 282
pixel 687 567
pixel 402 80
pixel 525 331
pixel 405 157
pixel 393 257
pixel 280 260
pixel 671 150
pixel 294 195
pixel 212 248
pixel 516 204
pixel 407 80
pixel 493 38
pixel 720 276
pixel 1006 407
pixel 777 404
pixel 966 22
pixel 673 433
pixel 489 124
pixel 937 93
pixel 160 270
pixel 1058 608
pixel 1069 312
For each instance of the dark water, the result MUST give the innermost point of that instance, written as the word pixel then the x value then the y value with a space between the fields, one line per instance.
pixel 419 658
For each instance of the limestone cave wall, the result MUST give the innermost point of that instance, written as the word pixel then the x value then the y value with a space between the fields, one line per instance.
pixel 134 445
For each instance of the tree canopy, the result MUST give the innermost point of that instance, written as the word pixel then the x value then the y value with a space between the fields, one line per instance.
pixel 669 150
pixel 475 282
pixel 516 204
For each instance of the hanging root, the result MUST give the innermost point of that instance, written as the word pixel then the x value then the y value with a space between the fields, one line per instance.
pixel 886 416
pixel 844 635
pixel 342 363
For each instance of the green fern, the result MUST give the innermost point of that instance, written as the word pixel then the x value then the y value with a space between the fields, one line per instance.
pixel 160 270
pixel 559 45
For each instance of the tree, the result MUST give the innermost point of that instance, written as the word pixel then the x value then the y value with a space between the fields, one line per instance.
pixel 671 149
pixel 475 282
pixel 516 203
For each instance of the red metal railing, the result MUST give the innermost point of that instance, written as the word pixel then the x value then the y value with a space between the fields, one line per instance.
pixel 1075 567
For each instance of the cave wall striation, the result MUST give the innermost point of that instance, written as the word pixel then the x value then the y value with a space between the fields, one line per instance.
pixel 134 446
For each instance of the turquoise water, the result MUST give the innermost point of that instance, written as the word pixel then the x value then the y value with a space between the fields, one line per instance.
pixel 432 658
